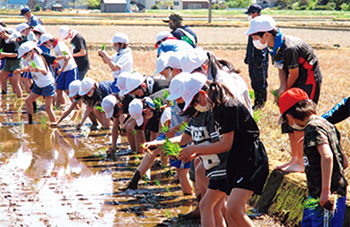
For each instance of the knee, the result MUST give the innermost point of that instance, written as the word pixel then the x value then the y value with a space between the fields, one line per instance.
pixel 234 212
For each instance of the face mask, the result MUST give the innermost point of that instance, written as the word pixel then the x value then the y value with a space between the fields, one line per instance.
pixel 258 45
pixel 49 45
pixel 90 94
pixel 250 18
pixel 297 127
pixel 205 108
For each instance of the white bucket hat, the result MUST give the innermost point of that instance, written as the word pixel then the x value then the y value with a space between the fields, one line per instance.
pixel 63 31
pixel 191 87
pixel 135 111
pixel 120 38
pixel 261 23
pixel 26 47
pixel 133 81
pixel 162 35
pixel 21 27
pixel 74 88
pixel 16 34
pixel 176 85
pixel 166 115
pixel 86 85
pixel 121 82
pixel 45 37
pixel 108 104
pixel 168 59
pixel 39 28
pixel 192 60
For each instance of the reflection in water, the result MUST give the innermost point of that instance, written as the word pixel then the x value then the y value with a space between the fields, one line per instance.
pixel 60 177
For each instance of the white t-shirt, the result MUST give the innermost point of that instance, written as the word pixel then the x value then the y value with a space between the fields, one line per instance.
pixel 123 59
pixel 59 48
pixel 40 79
pixel 237 86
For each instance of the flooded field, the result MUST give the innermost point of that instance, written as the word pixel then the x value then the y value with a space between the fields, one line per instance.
pixel 61 177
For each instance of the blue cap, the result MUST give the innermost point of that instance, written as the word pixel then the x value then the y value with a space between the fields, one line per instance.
pixel 24 10
pixel 253 9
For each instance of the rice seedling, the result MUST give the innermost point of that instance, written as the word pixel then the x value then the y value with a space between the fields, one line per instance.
pixel 64 53
pixel 171 149
pixel 33 64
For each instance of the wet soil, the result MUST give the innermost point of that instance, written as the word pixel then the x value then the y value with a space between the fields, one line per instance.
pixel 62 177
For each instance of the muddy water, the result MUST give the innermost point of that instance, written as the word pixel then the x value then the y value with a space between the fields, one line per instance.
pixel 61 177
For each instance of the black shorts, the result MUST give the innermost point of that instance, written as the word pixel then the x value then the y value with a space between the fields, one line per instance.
pixel 250 174
pixel 220 185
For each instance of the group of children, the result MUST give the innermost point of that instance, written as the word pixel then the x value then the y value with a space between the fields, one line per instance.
pixel 197 113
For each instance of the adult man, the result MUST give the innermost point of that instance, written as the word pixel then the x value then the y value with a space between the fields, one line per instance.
pixel 258 63
pixel 31 19
pixel 78 47
pixel 181 31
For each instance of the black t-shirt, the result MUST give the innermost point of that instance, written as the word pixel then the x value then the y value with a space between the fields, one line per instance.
pixel 103 89
pixel 234 116
pixel 78 43
pixel 9 46
pixel 293 52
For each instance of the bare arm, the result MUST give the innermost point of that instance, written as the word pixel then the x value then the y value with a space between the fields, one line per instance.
pixel 81 53
pixel 283 81
pixel 190 152
pixel 67 112
pixel 326 171
pixel 108 60
pixel 86 114
pixel 293 76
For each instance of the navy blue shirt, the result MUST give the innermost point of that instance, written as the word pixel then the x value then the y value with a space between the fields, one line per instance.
pixel 34 21
pixel 180 35
pixel 173 45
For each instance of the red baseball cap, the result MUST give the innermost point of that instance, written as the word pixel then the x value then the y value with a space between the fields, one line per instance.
pixel 289 98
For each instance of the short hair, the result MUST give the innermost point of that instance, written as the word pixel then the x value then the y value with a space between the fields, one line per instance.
pixel 301 110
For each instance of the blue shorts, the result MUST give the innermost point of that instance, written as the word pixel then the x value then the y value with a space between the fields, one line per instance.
pixel 27 75
pixel 318 216
pixel 49 90
pixel 179 164
pixel 115 88
pixel 10 75
pixel 66 78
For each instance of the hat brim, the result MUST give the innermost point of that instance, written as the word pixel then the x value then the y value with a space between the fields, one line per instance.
pixel 247 12
pixel 83 93
pixel 139 121
pixel 280 120
pixel 158 71
pixel 187 103
pixel 173 96
pixel 166 20
pixel 109 114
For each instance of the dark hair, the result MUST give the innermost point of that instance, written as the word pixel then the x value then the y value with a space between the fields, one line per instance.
pixel 215 64
pixel 219 93
pixel 273 32
pixel 301 110
pixel 119 105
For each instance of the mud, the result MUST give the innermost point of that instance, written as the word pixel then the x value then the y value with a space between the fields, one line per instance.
pixel 62 177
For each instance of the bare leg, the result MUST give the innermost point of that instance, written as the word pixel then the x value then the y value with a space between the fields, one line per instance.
pixel 297 156
pixel 4 84
pixel 59 99
pixel 236 208
pixel 29 105
pixel 49 108
pixel 15 82
pixel 207 207
pixel 184 180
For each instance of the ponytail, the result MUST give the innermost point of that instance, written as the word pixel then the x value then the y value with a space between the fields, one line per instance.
pixel 219 93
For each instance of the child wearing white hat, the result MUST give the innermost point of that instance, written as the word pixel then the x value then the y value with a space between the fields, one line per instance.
pixel 44 82
pixel 78 48
pixel 297 66
pixel 10 45
pixel 68 68
pixel 93 93
pixel 116 109
pixel 122 60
